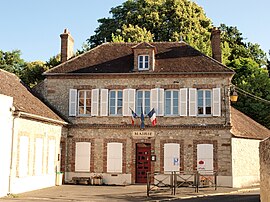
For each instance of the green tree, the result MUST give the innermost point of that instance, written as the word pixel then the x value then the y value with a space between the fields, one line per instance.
pixel 11 61
pixel 165 20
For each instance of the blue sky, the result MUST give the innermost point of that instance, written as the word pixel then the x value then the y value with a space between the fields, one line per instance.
pixel 34 26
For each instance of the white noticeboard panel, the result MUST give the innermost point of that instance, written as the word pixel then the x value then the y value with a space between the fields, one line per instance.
pixel 205 158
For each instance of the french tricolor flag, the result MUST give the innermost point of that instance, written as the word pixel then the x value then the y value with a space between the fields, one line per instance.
pixel 153 117
pixel 133 117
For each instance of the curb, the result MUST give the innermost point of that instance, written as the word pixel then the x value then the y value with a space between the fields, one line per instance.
pixel 212 194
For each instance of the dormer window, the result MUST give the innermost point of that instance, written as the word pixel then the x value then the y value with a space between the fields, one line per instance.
pixel 143 63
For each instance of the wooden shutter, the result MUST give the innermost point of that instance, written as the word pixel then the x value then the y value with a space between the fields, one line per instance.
pixel 23 153
pixel 95 102
pixel 183 95
pixel 128 101
pixel 104 102
pixel 171 157
pixel 216 102
pixel 154 100
pixel 205 158
pixel 82 156
pixel 72 102
pixel 114 157
pixel 157 101
pixel 192 102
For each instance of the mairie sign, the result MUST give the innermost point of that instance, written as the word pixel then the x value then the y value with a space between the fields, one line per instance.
pixel 143 134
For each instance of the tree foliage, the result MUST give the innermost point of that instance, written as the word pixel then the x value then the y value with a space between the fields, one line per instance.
pixel 155 20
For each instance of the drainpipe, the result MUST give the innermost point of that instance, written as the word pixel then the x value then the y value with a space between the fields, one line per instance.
pixel 12 109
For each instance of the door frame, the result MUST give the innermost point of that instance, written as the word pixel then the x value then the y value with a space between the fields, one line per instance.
pixel 133 156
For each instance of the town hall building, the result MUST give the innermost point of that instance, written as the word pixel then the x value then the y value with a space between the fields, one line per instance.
pixel 190 93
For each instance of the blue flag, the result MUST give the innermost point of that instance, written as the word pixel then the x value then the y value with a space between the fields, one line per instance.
pixel 142 118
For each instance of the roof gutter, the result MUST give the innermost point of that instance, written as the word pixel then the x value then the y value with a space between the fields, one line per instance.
pixel 133 73
pixel 27 115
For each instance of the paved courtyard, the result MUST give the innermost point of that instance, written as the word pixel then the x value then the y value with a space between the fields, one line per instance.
pixel 111 193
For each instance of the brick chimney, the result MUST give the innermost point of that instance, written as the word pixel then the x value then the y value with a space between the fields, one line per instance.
pixel 215 43
pixel 67 43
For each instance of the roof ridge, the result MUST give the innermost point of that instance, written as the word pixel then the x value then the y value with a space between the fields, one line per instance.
pixel 10 73
pixel 76 57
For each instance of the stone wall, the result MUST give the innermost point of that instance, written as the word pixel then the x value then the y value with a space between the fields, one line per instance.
pixel 265 170
pixel 188 139
pixel 245 162
pixel 56 91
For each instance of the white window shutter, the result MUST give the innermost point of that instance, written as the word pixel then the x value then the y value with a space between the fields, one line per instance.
pixel 205 158
pixel 95 102
pixel 114 157
pixel 183 95
pixel 171 157
pixel 154 100
pixel 72 102
pixel 128 101
pixel 82 156
pixel 216 102
pixel 192 102
pixel 161 102
pixel 157 101
pixel 104 102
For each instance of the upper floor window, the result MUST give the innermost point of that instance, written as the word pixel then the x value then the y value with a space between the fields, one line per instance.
pixel 143 101
pixel 143 62
pixel 204 102
pixel 84 104
pixel 171 102
pixel 116 102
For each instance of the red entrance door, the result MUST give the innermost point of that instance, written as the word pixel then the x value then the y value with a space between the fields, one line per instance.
pixel 143 162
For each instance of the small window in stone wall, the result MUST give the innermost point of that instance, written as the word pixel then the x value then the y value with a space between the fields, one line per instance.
pixel 84 102
pixel 143 62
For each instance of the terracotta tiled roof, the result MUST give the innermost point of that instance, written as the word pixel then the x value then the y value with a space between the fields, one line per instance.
pixel 171 57
pixel 23 99
pixel 245 127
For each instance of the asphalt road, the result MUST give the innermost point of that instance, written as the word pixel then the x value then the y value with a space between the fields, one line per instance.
pixel 241 197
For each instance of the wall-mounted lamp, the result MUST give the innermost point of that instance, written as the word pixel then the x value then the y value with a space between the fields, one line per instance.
pixel 234 95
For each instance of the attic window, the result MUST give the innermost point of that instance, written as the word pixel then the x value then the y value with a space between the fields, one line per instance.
pixel 143 62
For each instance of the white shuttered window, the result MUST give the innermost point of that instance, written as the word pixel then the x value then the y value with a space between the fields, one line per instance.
pixel 205 158
pixel 183 101
pixel 23 154
pixel 114 157
pixel 128 101
pixel 157 101
pixel 38 156
pixel 171 157
pixel 192 102
pixel 95 102
pixel 216 102
pixel 104 102
pixel 82 156
pixel 72 102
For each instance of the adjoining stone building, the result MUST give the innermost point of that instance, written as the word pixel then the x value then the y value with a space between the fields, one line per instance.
pixel 265 170
pixel 189 91
pixel 29 139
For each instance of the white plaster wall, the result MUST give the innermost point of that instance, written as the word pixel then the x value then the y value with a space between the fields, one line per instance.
pixel 6 103
pixel 245 162
pixel 34 129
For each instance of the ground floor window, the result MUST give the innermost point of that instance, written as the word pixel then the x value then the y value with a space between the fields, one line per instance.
pixel 82 156
pixel 205 157
pixel 114 157
pixel 171 157
pixel 23 156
